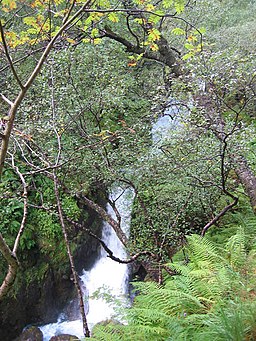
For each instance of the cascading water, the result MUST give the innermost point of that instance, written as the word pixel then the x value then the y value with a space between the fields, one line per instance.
pixel 106 276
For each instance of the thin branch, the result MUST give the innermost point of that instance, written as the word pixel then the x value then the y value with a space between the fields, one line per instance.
pixel 9 57
pixel 130 30
pixel 7 100
pixel 71 260
pixel 105 216
pixel 110 252
pixel 69 12
pixel 22 58
pixel 224 189
pixel 51 43
pixel 25 206
pixel 17 102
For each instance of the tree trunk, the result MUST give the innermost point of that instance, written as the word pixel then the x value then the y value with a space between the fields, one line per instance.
pixel 246 178
pixel 12 269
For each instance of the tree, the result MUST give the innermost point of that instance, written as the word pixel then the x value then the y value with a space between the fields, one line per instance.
pixel 100 129
pixel 45 29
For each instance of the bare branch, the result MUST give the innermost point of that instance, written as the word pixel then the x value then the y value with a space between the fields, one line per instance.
pixel 110 252
pixel 7 100
pixel 69 12
pixel 106 217
pixel 22 58
pixel 164 55
pixel 224 189
pixel 12 267
pixel 218 216
pixel 9 57
pixel 25 206
pixel 14 108
pixel 71 260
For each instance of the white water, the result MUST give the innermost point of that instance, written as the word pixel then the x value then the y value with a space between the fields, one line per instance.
pixel 106 276
pixel 167 125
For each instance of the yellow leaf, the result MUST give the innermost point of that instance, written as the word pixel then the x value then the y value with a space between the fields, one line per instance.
pixel 8 5
pixel 191 38
pixel 113 17
pixel 86 40
pixel 150 7
pixel 96 41
pixel 154 47
pixel 154 34
pixel 71 41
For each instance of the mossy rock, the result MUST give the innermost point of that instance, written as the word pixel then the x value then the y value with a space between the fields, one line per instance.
pixel 31 334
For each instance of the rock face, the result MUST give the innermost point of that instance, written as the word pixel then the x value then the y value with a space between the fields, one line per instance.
pixel 31 334
pixel 64 337
pixel 34 303
pixel 41 301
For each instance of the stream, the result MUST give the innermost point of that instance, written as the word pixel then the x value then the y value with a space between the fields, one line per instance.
pixel 108 277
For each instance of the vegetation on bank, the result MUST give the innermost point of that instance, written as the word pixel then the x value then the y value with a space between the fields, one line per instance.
pixel 209 296
pixel 86 123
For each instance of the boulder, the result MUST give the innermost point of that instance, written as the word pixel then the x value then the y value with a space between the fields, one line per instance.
pixel 31 334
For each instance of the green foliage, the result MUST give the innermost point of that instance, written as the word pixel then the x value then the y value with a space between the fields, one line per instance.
pixel 11 206
pixel 211 297
pixel 101 115
pixel 171 186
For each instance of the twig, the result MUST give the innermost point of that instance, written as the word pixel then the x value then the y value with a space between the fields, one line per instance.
pixel 9 57
pixel 7 100
pixel 71 260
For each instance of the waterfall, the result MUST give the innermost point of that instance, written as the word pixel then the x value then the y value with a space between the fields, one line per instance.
pixel 106 276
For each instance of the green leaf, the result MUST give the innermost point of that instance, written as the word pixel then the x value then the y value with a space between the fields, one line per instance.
pixel 167 3
pixel 179 6
pixel 178 31
pixel 189 46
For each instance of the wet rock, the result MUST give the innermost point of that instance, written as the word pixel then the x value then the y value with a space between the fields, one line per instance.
pixel 72 311
pixel 41 300
pixel 31 334
pixel 64 337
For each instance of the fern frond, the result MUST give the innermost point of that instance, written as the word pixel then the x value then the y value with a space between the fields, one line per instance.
pixel 236 248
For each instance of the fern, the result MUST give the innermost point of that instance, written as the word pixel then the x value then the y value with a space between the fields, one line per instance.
pixel 199 303
pixel 236 249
